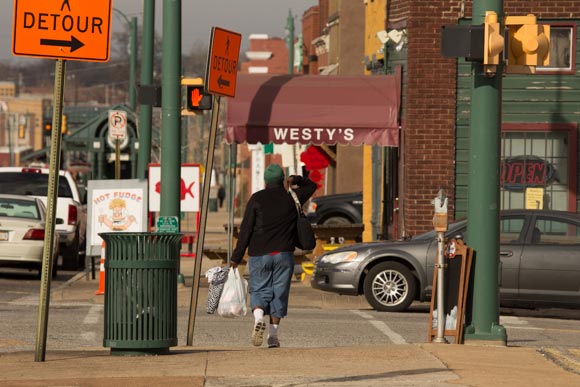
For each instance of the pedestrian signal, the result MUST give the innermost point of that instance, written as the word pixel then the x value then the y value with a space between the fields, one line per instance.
pixel 197 99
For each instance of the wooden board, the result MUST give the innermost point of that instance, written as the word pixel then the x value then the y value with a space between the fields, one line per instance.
pixel 457 272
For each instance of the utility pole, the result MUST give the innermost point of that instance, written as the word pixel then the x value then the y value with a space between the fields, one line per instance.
pixel 146 111
pixel 132 57
pixel 133 65
pixel 484 199
pixel 290 41
pixel 290 44
pixel 171 109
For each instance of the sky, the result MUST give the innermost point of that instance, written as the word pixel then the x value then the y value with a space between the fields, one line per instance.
pixel 198 16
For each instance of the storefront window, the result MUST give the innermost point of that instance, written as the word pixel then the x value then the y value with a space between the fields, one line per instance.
pixel 534 170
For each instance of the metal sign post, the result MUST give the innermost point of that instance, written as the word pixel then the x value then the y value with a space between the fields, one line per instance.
pixel 60 30
pixel 440 225
pixel 221 73
pixel 203 219
pixel 48 250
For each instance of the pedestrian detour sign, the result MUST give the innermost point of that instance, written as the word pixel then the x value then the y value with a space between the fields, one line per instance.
pixel 62 29
pixel 222 63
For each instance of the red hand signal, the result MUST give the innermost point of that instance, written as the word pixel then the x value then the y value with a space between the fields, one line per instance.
pixel 196 97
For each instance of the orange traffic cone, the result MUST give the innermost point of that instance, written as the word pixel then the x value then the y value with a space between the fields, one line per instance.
pixel 102 271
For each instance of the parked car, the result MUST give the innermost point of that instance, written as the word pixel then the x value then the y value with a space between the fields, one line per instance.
pixel 22 226
pixel 539 252
pixel 69 207
pixel 336 210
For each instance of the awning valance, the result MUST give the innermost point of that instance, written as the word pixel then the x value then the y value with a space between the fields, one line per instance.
pixel 313 109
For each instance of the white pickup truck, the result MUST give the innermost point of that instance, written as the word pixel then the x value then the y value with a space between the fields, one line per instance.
pixel 70 207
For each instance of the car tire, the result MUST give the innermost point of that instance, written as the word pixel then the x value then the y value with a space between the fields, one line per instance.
pixel 70 254
pixel 336 221
pixel 390 287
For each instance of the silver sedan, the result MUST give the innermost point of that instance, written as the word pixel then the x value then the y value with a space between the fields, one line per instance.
pixel 539 255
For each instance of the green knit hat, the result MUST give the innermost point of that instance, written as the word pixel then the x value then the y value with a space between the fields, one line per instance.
pixel 273 173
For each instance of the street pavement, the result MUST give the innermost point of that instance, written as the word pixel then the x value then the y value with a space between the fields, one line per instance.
pixel 349 366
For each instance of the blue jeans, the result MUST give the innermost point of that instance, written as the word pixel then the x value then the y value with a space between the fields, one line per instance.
pixel 270 277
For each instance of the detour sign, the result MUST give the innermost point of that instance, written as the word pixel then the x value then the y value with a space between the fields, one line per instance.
pixel 222 62
pixel 62 29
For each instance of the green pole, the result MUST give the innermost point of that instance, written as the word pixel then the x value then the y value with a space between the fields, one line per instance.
pixel 483 193
pixel 133 65
pixel 290 41
pixel 146 111
pixel 171 109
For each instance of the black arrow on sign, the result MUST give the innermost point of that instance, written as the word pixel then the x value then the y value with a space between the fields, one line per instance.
pixel 73 43
pixel 222 82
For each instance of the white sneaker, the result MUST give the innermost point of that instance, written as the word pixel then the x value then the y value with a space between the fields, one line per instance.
pixel 273 342
pixel 258 333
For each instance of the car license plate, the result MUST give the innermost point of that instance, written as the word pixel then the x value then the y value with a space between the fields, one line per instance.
pixel 3 235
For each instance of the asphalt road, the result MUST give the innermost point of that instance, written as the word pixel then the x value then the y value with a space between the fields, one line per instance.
pixel 80 324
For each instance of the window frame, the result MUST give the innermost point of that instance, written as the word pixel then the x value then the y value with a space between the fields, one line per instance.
pixel 561 70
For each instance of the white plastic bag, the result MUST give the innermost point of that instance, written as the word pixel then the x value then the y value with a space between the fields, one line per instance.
pixel 233 299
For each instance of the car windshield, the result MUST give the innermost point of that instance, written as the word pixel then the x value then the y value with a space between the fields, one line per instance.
pixel 34 184
pixel 16 208
pixel 453 228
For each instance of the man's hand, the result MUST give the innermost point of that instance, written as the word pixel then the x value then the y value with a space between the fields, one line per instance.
pixel 233 265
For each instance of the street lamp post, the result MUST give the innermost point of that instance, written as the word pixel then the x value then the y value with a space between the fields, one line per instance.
pixel 133 57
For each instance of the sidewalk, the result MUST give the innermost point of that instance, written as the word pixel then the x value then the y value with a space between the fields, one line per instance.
pixel 355 366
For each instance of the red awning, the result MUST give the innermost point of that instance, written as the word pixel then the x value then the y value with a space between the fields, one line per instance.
pixel 314 109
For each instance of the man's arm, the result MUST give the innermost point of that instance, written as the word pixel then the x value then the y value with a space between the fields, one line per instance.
pixel 304 187
pixel 246 229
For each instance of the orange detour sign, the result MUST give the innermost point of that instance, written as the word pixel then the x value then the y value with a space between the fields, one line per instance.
pixel 62 29
pixel 222 62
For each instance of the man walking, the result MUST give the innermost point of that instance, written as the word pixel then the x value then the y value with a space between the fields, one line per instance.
pixel 268 232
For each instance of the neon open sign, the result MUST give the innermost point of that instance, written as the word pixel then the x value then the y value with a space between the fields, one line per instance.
pixel 520 172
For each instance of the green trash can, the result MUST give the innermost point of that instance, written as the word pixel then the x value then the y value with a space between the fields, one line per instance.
pixel 141 292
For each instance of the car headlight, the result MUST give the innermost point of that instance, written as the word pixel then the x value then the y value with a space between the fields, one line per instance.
pixel 343 256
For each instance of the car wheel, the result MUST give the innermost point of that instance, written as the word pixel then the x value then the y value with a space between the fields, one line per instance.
pixel 70 255
pixel 390 287
pixel 336 221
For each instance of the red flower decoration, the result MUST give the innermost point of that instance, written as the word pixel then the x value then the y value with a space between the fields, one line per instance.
pixel 313 158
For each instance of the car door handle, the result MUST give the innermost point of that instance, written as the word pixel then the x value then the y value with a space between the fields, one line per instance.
pixel 506 253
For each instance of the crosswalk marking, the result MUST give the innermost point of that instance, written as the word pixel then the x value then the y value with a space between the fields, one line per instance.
pixel 382 327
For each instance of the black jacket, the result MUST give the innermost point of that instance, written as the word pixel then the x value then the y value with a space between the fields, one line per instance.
pixel 269 223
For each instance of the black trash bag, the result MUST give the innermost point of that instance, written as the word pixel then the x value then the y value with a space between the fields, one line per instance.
pixel 216 277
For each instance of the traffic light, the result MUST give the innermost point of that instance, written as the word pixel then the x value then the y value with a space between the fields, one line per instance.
pixel 197 100
pixel 493 42
pixel 528 44
pixel 63 125
pixel 47 125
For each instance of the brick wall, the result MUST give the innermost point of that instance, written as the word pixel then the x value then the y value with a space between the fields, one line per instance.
pixel 546 9
pixel 278 62
pixel 310 31
pixel 429 120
